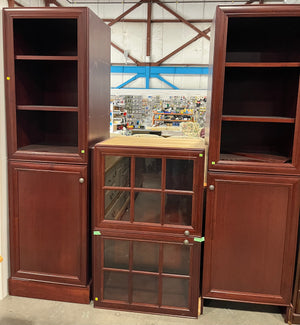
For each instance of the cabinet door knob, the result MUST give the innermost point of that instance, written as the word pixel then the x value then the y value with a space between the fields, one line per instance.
pixel 186 242
pixel 81 180
pixel 211 187
pixel 186 233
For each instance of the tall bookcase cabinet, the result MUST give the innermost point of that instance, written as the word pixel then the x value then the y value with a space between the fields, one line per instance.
pixel 254 155
pixel 57 70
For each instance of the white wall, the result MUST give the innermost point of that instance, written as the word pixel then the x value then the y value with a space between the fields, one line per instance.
pixel 3 175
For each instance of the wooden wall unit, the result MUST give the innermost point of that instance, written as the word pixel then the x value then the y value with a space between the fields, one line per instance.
pixel 254 155
pixel 57 70
pixel 147 250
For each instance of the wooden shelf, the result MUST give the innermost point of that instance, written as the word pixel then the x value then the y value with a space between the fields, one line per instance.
pixel 255 157
pixel 50 148
pixel 47 57
pixel 270 119
pixel 47 108
pixel 262 64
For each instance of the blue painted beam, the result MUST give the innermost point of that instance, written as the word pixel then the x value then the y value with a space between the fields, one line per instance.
pixel 149 72
pixel 159 69
pixel 164 80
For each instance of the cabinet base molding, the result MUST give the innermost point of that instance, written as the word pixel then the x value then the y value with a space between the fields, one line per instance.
pixel 50 291
pixel 295 319
pixel 291 317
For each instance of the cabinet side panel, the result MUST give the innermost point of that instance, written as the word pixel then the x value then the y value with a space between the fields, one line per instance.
pixel 99 78
pixel 216 84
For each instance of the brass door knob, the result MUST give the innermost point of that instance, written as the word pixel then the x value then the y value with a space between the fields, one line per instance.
pixel 81 180
pixel 186 242
pixel 211 187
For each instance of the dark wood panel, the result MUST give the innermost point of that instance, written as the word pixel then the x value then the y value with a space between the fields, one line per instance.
pixel 247 42
pixel 251 234
pixel 48 209
pixel 49 291
pixel 98 79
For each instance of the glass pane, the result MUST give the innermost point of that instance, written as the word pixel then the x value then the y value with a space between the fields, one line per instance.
pixel 145 256
pixel 148 172
pixel 176 259
pixel 115 286
pixel 117 171
pixel 175 292
pixel 145 289
pixel 116 254
pixel 179 174
pixel 147 207
pixel 117 205
pixel 178 209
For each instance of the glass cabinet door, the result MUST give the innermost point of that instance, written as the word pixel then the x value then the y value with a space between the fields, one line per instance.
pixel 158 191
pixel 147 275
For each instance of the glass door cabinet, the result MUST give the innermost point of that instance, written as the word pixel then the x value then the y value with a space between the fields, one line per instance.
pixel 147 228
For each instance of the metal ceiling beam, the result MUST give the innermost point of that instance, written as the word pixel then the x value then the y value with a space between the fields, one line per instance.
pixel 149 13
pixel 107 20
pixel 171 11
pixel 125 13
pixel 159 62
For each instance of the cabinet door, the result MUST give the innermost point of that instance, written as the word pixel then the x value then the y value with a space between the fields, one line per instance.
pixel 251 235
pixel 149 190
pixel 144 273
pixel 48 222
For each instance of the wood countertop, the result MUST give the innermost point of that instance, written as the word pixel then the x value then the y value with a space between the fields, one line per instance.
pixel 155 142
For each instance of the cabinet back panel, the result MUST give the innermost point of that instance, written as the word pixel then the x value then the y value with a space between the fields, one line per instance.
pixel 263 138
pixel 261 91
pixel 256 39
pixel 45 36
pixel 51 83
pixel 47 128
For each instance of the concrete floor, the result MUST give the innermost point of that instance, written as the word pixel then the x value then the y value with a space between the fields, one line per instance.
pixel 25 311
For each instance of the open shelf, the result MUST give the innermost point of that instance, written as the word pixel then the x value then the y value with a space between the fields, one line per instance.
pixel 45 36
pixel 47 57
pixel 266 119
pixel 269 142
pixel 47 108
pixel 46 83
pixel 46 131
pixel 262 92
pixel 263 39
pixel 262 64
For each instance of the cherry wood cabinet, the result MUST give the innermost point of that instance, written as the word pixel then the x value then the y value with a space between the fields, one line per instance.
pixel 253 194
pixel 147 224
pixel 254 100
pixel 251 237
pixel 57 68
